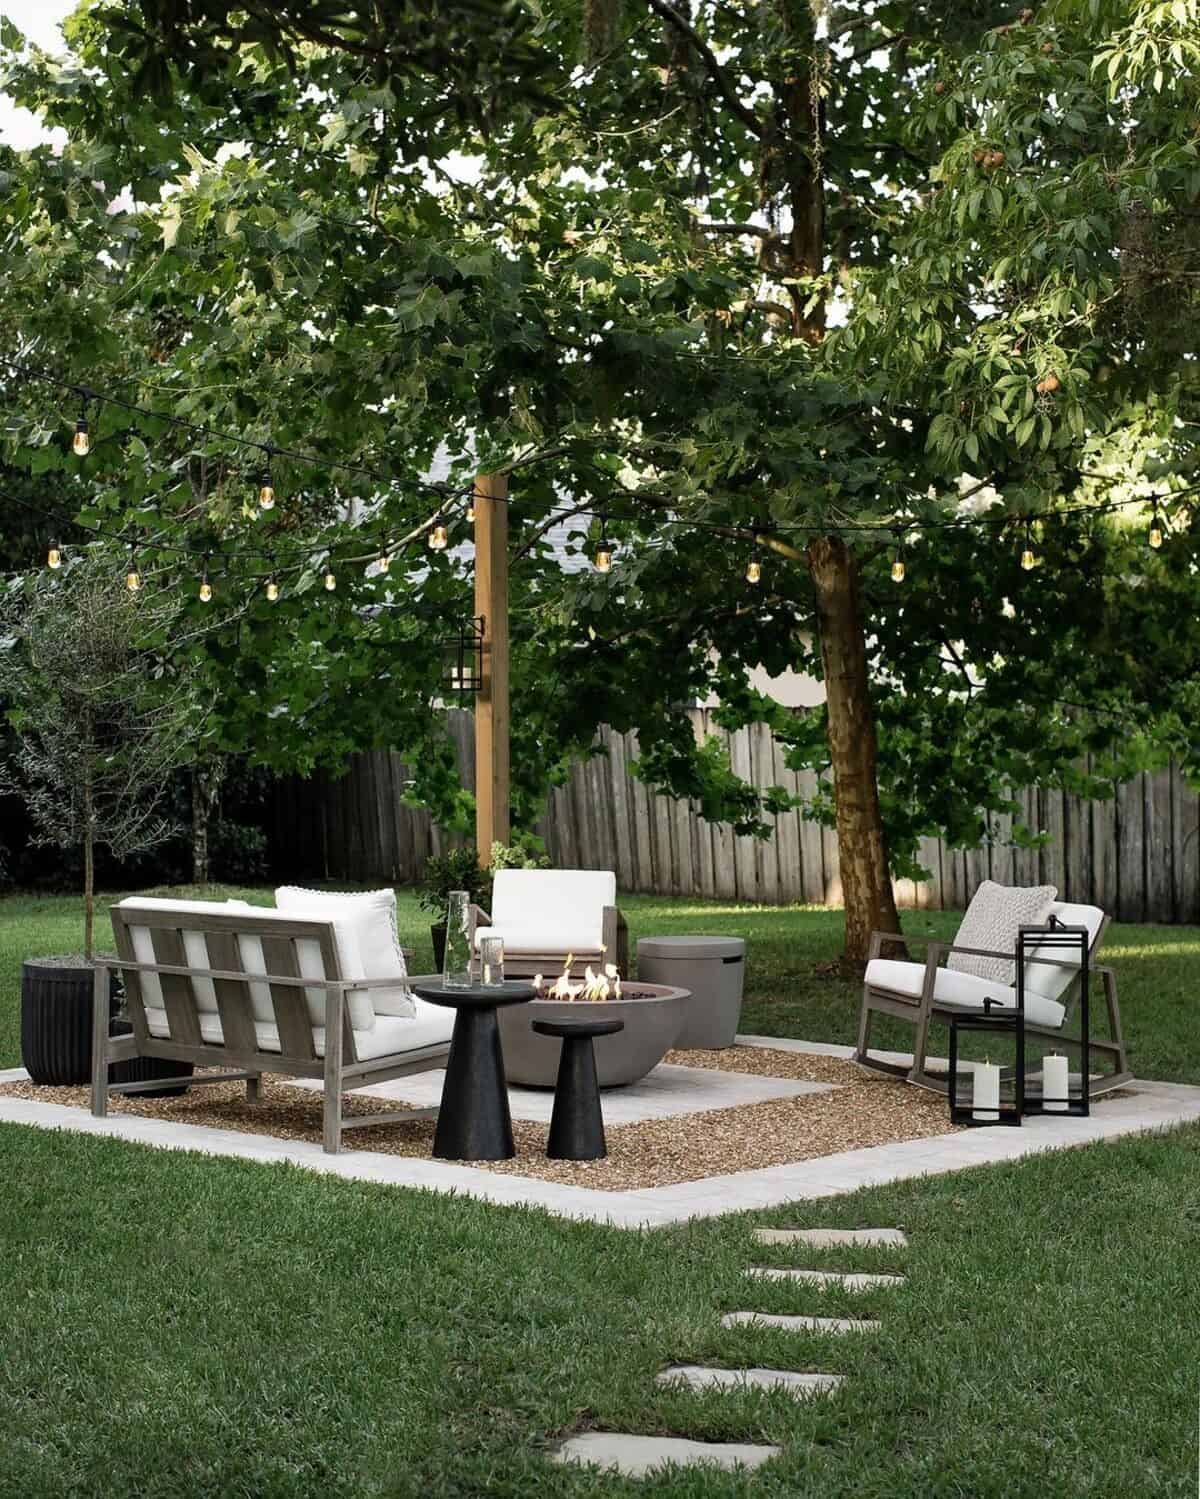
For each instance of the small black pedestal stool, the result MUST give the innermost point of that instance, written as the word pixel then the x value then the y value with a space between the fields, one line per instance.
pixel 577 1125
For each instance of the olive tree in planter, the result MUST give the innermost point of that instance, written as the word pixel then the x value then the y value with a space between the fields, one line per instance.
pixel 100 721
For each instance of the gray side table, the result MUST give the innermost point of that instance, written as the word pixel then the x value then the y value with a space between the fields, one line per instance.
pixel 713 968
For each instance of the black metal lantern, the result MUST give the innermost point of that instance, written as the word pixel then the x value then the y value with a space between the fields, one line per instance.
pixel 1043 944
pixel 970 1100
pixel 462 670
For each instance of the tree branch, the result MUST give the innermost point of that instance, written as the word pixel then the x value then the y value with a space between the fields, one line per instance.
pixel 755 229
pixel 715 71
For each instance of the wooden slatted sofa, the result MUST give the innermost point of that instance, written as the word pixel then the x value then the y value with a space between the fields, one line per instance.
pixel 250 990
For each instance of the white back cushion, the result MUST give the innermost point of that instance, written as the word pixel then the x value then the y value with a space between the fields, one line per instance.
pixel 372 914
pixel 250 951
pixel 991 922
pixel 545 899
pixel 1060 965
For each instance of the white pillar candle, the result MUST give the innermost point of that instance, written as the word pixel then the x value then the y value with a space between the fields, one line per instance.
pixel 985 1091
pixel 1056 1084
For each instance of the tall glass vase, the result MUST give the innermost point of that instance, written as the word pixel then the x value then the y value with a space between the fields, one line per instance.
pixel 456 968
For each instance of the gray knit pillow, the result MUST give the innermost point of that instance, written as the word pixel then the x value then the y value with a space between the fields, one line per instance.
pixel 992 920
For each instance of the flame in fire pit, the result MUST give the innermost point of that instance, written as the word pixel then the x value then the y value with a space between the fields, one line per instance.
pixel 595 987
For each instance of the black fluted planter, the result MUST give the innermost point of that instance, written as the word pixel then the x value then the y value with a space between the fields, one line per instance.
pixel 56 1030
pixel 56 1022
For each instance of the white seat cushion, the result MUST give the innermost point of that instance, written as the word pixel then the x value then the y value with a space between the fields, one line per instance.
pixel 390 1036
pixel 580 940
pixel 373 913
pixel 960 991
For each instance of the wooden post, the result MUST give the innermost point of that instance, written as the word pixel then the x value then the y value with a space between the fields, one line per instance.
pixel 491 704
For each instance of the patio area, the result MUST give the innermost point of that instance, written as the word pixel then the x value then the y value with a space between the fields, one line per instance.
pixel 767 1122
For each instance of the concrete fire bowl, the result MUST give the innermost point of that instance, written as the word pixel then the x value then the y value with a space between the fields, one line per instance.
pixel 653 1014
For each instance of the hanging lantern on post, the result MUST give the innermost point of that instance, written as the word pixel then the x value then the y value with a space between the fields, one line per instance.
pixel 462 668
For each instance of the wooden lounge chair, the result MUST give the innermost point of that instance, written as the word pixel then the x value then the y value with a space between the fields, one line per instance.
pixel 254 991
pixel 923 994
pixel 544 915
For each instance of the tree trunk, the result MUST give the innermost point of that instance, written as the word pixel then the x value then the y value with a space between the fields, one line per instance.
pixel 89 873
pixel 207 776
pixel 853 751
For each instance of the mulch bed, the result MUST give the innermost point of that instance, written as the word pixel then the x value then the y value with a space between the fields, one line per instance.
pixel 865 1110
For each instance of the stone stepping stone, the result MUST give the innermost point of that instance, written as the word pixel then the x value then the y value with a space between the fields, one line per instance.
pixel 830 1238
pixel 797 1324
pixel 851 1282
pixel 701 1377
pixel 636 1456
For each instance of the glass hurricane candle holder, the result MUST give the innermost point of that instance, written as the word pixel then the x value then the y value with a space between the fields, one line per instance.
pixel 491 961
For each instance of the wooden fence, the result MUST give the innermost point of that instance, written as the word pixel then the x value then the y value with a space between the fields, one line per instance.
pixel 1137 855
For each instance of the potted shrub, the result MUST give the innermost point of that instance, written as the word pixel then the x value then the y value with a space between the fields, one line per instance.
pixel 99 725
pixel 456 869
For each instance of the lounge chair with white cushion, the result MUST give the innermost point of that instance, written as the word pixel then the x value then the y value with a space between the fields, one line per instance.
pixel 982 965
pixel 545 915
pixel 256 989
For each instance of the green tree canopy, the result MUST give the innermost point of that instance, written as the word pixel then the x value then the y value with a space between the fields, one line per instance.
pixel 813 279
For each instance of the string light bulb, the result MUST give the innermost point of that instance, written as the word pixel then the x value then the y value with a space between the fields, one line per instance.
pixel 439 538
pixel 604 549
pixel 54 557
pixel 385 558
pixel 133 578
pixel 330 581
pixel 206 591
pixel 1028 556
pixel 1155 538
pixel 899 563
pixel 470 512
pixel 266 488
pixel 754 568
pixel 81 443
pixel 272 589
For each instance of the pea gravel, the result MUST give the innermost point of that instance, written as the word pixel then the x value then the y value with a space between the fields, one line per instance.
pixel 864 1111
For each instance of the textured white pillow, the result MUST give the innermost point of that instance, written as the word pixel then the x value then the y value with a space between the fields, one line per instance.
pixel 374 915
pixel 992 920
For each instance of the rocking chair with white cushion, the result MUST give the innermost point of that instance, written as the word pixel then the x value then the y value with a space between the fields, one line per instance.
pixel 547 915
pixel 926 993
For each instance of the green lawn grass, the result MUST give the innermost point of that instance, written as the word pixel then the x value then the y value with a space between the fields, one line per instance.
pixel 176 1325
pixel 789 991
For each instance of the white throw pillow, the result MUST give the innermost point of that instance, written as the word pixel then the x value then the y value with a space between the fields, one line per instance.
pixel 374 915
pixel 992 920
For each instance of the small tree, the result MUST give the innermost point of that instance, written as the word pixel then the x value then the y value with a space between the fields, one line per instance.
pixel 100 719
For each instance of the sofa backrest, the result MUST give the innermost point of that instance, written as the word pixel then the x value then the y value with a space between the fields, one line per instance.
pixel 1052 975
pixel 255 941
pixel 529 898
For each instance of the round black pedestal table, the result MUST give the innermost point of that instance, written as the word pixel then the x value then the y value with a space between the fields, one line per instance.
pixel 474 1123
pixel 577 1125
